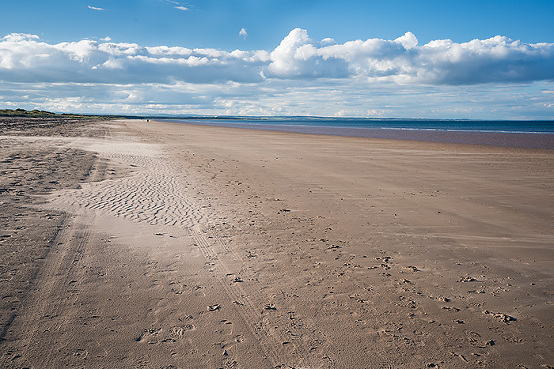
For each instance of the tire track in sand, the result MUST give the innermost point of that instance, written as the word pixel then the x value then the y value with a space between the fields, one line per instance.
pixel 155 194
pixel 249 303
pixel 252 302
pixel 49 312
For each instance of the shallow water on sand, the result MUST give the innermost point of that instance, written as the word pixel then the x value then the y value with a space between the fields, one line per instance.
pixel 526 134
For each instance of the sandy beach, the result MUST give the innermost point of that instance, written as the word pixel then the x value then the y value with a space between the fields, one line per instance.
pixel 129 244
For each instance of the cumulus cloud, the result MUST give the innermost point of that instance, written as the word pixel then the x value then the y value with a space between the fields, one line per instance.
pixel 94 8
pixel 243 33
pixel 498 59
pixel 298 56
pixel 25 58
pixel 19 37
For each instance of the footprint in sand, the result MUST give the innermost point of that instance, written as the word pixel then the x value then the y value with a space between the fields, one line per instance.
pixel 214 307
pixel 476 340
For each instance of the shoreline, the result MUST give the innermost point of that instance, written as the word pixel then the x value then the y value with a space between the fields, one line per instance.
pixel 186 245
pixel 497 139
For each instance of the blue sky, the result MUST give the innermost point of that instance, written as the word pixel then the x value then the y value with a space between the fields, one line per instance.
pixel 419 58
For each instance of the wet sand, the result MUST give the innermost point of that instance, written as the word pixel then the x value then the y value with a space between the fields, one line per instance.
pixel 133 244
pixel 500 139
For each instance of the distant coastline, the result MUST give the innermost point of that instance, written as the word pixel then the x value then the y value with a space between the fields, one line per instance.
pixel 533 134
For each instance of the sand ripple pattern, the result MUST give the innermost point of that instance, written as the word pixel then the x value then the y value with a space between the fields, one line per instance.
pixel 153 194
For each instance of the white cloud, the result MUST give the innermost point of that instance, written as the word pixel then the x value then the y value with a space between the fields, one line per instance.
pixel 408 40
pixel 286 97
pixel 243 33
pixel 301 75
pixel 94 8
pixel 298 56
pixel 19 37
pixel 24 57
pixel 106 39
pixel 177 5
pixel 498 59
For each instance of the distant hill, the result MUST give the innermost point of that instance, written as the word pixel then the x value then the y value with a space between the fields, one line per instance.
pixel 47 114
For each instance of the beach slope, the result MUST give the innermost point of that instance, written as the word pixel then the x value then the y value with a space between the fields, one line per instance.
pixel 135 244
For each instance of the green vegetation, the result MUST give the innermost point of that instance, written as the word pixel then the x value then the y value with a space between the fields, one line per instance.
pixel 47 114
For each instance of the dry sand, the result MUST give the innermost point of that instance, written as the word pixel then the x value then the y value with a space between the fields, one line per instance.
pixel 130 244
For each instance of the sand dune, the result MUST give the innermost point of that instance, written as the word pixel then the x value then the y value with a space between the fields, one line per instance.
pixel 187 246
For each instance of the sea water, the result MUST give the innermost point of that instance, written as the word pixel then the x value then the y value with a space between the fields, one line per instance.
pixel 530 134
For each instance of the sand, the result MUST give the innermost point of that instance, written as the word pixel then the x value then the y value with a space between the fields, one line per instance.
pixel 132 244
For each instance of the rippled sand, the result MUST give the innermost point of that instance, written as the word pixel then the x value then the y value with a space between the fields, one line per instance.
pixel 169 245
